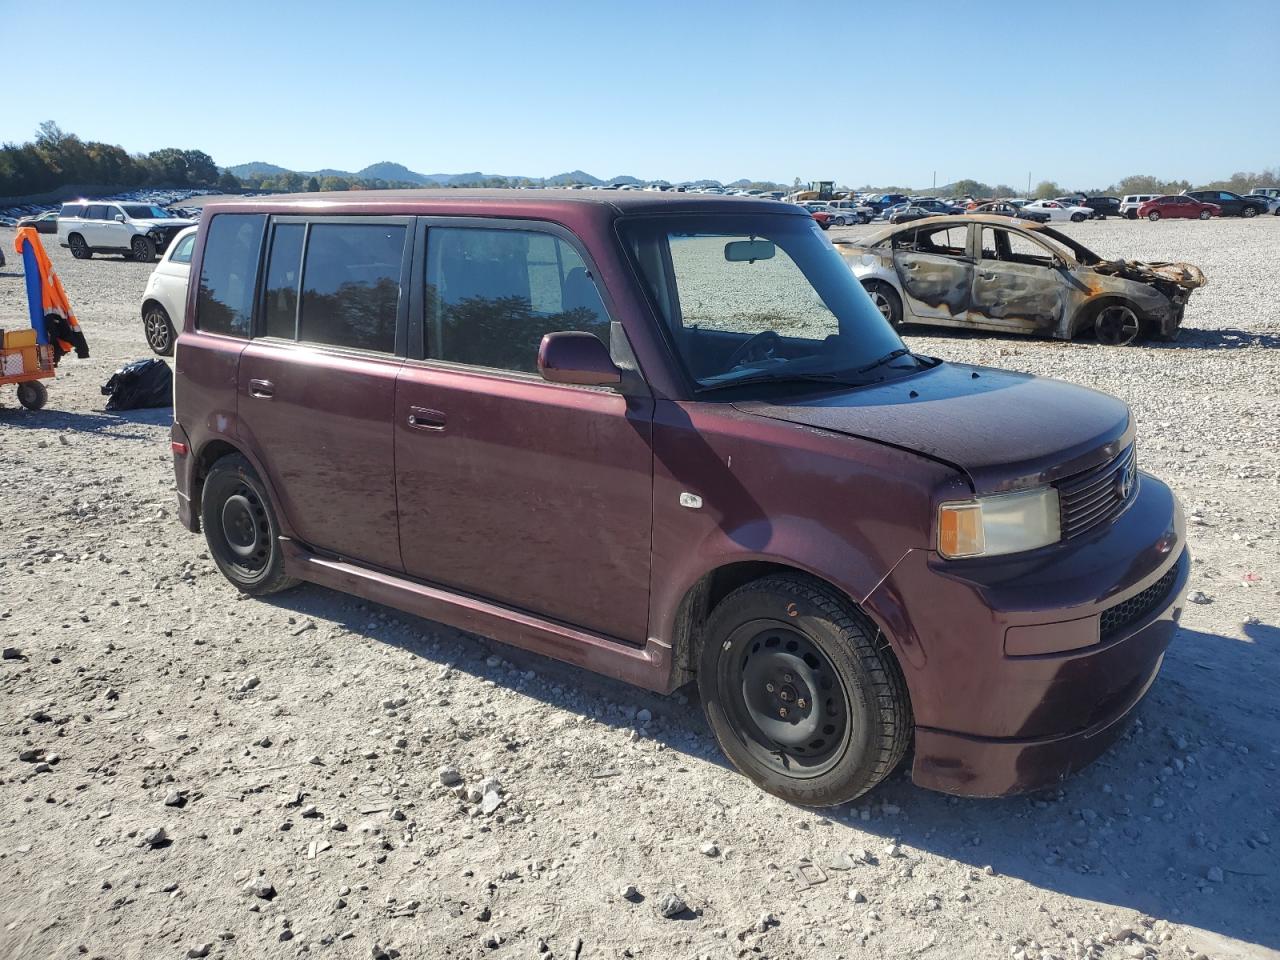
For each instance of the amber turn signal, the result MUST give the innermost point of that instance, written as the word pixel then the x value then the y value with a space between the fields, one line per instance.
pixel 960 531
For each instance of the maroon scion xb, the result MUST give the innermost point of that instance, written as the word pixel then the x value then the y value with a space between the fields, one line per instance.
pixel 666 438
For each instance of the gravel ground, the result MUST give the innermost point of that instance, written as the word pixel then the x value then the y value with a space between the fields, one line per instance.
pixel 186 773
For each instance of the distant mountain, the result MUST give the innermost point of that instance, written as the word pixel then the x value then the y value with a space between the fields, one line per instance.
pixel 386 170
pixel 257 169
pixel 573 176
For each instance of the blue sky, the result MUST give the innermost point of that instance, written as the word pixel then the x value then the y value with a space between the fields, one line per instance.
pixel 860 93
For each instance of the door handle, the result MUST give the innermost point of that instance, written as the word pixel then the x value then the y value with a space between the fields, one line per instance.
pixel 988 276
pixel 424 418
pixel 262 388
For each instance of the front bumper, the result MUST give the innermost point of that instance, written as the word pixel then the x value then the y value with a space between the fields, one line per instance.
pixel 991 722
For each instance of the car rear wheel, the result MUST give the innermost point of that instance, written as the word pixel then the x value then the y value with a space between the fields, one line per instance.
pixel 1205 214
pixel 33 394
pixel 159 330
pixel 1078 218
pixel 1153 216
pixel 1248 213
pixel 1117 325
pixel 79 249
pixel 143 249
pixel 802 692
pixel 241 529
pixel 886 300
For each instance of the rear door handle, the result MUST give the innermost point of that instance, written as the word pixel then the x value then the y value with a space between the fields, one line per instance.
pixel 988 276
pixel 262 388
pixel 424 418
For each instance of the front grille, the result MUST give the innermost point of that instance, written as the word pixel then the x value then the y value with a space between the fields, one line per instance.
pixel 1098 495
pixel 1115 619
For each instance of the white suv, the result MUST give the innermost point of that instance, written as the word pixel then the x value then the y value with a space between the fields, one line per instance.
pixel 1130 204
pixel 137 230
pixel 166 293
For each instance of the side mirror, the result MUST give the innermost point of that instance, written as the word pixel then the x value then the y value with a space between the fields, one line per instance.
pixel 571 356
pixel 119 218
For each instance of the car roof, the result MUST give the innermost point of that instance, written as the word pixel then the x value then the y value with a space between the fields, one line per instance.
pixel 499 200
pixel 961 219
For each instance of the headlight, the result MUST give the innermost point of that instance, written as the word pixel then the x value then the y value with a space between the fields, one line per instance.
pixel 991 526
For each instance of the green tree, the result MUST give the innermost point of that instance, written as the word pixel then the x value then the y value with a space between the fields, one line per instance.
pixel 201 170
pixel 970 188
pixel 335 183
pixel 168 166
pixel 313 185
pixel 1047 190
pixel 229 182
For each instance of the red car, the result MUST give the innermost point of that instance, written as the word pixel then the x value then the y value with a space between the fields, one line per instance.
pixel 820 213
pixel 1179 206
pixel 669 437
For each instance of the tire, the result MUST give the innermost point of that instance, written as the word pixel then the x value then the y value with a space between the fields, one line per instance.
pixel 1078 218
pixel 1117 325
pixel 1132 215
pixel 1205 214
pixel 886 300
pixel 79 249
pixel 33 394
pixel 142 249
pixel 788 647
pixel 1153 216
pixel 1248 213
pixel 241 529
pixel 158 329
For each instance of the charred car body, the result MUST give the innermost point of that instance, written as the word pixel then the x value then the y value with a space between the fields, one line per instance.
pixel 993 273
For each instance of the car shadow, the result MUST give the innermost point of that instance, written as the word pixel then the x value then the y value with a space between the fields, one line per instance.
pixel 1101 836
pixel 19 418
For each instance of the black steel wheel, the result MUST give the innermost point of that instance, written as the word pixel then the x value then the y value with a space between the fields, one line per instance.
pixel 241 529
pixel 143 249
pixel 33 394
pixel 1117 325
pixel 159 330
pixel 79 249
pixel 801 691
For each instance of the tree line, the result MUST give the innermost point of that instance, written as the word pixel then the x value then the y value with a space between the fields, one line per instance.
pixel 1241 182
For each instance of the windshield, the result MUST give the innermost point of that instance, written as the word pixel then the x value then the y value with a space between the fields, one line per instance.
pixel 140 211
pixel 761 299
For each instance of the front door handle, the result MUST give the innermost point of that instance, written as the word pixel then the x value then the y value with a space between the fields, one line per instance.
pixel 262 388
pixel 424 418
pixel 988 276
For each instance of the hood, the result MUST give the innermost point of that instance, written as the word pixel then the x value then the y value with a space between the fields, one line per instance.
pixel 1004 430
pixel 174 222
pixel 1185 275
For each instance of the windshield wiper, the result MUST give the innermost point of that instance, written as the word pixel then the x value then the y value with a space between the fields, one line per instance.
pixel 891 355
pixel 786 378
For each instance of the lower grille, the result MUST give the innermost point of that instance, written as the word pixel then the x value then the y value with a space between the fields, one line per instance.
pixel 1114 619
pixel 1098 495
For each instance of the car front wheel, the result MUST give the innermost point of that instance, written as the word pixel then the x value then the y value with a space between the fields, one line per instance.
pixel 1078 218
pixel 1205 214
pixel 802 692
pixel 1153 216
pixel 886 300
pixel 241 529
pixel 159 330
pixel 143 249
pixel 1117 325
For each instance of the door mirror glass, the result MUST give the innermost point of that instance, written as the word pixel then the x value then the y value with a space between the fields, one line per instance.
pixel 748 251
pixel 119 218
pixel 572 356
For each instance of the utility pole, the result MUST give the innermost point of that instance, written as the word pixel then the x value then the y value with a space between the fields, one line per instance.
pixel 1028 183
pixel 935 180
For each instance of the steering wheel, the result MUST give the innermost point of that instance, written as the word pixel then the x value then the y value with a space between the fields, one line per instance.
pixel 759 346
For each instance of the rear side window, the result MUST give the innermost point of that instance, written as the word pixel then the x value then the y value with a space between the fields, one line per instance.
pixel 491 295
pixel 71 210
pixel 351 285
pixel 224 301
pixel 95 211
pixel 182 251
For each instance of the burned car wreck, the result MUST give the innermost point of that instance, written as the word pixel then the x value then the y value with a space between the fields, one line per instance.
pixel 993 273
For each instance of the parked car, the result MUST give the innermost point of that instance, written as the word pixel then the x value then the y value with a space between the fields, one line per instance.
pixel 46 222
pixel 1131 202
pixel 820 213
pixel 137 230
pixel 165 296
pixel 733 471
pixel 845 213
pixel 919 209
pixel 1272 201
pixel 1265 192
pixel 881 201
pixel 1170 207
pixel 1231 204
pixel 992 273
pixel 1102 207
pixel 1058 211
pixel 1003 208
